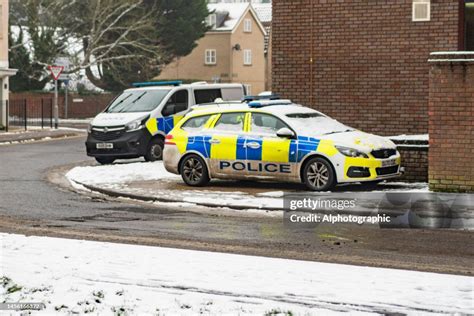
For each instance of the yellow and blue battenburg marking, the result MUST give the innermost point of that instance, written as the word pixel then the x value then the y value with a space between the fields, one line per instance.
pixel 267 149
pixel 199 144
pixel 163 124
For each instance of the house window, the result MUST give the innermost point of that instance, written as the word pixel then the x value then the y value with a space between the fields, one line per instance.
pixel 211 20
pixel 247 57
pixel 1 24
pixel 247 25
pixel 469 26
pixel 248 89
pixel 210 57
pixel 421 10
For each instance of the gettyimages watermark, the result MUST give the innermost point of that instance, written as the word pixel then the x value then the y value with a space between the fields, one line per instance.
pixel 21 306
pixel 385 209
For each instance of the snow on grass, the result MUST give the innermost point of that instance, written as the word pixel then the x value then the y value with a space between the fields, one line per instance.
pixel 118 177
pixel 73 276
pixel 120 173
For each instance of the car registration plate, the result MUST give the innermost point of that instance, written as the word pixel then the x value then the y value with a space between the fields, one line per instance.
pixel 389 163
pixel 104 146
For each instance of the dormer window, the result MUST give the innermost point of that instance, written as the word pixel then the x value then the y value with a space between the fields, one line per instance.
pixel 211 20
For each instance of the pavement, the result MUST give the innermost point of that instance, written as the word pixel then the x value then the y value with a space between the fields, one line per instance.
pixel 36 199
pixel 36 134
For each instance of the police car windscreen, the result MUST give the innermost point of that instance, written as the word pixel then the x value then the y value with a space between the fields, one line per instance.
pixel 314 123
pixel 137 101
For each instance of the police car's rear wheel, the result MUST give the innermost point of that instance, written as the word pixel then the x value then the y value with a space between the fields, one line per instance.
pixel 194 171
pixel 155 150
pixel 318 175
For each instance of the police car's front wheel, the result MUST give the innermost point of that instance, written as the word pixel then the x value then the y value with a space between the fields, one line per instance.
pixel 318 175
pixel 194 171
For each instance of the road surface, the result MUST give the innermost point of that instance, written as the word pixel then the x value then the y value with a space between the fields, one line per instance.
pixel 30 204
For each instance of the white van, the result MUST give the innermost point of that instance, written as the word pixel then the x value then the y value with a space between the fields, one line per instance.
pixel 136 121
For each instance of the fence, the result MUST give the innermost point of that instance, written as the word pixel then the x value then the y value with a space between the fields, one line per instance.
pixel 29 113
pixel 79 106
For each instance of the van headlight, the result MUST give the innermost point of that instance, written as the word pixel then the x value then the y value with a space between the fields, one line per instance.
pixel 351 152
pixel 136 125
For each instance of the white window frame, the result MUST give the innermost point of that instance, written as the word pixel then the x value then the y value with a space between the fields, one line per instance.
pixel 421 2
pixel 247 57
pixel 210 57
pixel 248 25
pixel 211 20
pixel 248 88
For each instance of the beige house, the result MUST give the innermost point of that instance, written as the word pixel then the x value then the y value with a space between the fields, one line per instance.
pixel 232 51
pixel 5 72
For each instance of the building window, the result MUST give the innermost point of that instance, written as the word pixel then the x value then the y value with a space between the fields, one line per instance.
pixel 247 57
pixel 1 24
pixel 248 89
pixel 247 25
pixel 211 20
pixel 469 26
pixel 421 10
pixel 210 57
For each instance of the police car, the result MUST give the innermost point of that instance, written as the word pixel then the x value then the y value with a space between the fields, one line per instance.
pixel 275 140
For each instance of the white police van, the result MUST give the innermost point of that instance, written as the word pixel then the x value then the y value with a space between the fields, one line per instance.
pixel 136 121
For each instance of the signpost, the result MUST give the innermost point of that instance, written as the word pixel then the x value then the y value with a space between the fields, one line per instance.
pixel 55 72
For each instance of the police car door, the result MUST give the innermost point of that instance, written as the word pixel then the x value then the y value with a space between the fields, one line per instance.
pixel 227 154
pixel 267 154
pixel 174 110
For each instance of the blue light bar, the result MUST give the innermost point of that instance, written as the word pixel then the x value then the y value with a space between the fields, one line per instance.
pixel 156 83
pixel 250 98
pixel 262 103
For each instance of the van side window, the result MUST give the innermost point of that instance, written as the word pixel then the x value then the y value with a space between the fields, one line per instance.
pixel 178 102
pixel 196 123
pixel 207 95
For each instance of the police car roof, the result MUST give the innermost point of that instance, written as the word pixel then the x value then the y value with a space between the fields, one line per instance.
pixel 277 109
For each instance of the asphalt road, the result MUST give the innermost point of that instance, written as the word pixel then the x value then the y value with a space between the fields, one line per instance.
pixel 30 204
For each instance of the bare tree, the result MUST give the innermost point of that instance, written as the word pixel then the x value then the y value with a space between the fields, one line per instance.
pixel 105 37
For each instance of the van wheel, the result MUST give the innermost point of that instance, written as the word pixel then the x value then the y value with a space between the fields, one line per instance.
pixel 155 150
pixel 318 175
pixel 194 171
pixel 105 160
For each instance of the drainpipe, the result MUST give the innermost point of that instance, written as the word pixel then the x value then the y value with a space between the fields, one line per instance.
pixel 311 60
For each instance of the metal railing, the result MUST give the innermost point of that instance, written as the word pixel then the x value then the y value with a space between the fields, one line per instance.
pixel 23 113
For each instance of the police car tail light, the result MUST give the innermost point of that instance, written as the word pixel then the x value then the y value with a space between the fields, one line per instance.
pixel 169 140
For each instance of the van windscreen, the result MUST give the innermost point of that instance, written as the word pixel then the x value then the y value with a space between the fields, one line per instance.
pixel 137 101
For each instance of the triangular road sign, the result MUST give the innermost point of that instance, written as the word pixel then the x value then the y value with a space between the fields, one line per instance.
pixel 56 71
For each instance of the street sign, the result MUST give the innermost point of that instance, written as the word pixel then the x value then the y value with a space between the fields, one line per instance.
pixel 56 71
pixel 64 77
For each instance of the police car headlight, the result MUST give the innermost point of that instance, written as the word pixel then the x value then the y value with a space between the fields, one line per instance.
pixel 136 125
pixel 89 128
pixel 351 152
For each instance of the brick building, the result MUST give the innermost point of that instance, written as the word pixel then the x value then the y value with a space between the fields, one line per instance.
pixel 365 62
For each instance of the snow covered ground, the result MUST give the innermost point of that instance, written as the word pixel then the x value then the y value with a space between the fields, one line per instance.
pixel 126 177
pixel 77 277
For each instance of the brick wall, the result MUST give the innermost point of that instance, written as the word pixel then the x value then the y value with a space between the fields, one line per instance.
pixel 90 105
pixel 415 162
pixel 451 122
pixel 369 59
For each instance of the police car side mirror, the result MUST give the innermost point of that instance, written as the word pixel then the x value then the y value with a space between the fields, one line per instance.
pixel 285 133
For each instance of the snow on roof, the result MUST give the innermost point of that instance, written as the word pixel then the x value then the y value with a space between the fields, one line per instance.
pixel 233 11
pixel 264 11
